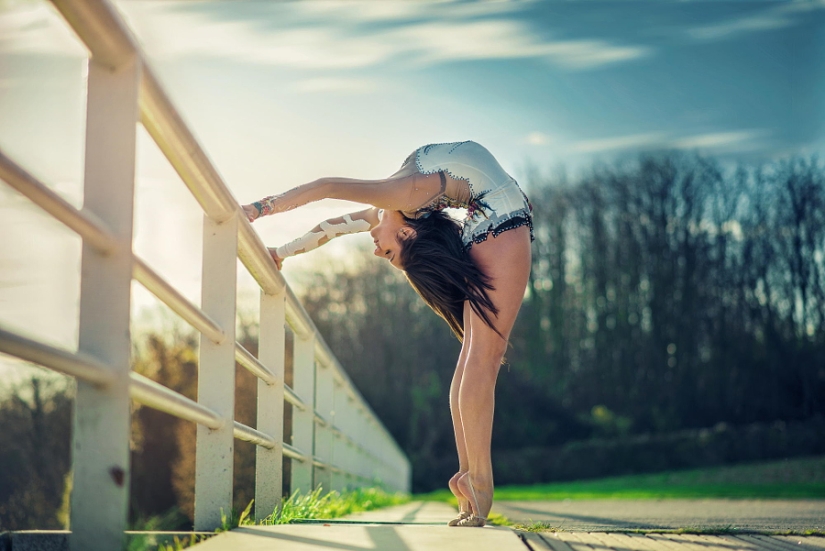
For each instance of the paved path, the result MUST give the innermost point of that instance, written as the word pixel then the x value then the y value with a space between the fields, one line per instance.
pixel 606 515
pixel 423 529
pixel 600 541
pixel 420 526
pixel 416 512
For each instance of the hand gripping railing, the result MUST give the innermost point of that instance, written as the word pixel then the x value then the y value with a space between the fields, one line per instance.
pixel 337 439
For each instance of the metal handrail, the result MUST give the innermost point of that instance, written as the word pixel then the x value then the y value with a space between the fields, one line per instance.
pixel 319 420
pixel 76 364
pixel 101 29
pixel 144 390
pixel 248 434
pixel 170 296
pixel 294 453
pixel 294 399
pixel 245 358
pixel 83 223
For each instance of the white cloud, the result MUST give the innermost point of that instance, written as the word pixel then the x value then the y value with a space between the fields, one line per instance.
pixel 619 142
pixel 323 35
pixel 334 37
pixel 365 11
pixel 742 140
pixel 776 17
pixel 502 39
pixel 726 141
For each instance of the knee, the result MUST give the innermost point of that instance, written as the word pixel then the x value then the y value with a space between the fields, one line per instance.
pixel 491 349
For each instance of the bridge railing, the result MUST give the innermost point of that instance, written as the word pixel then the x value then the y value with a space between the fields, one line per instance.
pixel 337 439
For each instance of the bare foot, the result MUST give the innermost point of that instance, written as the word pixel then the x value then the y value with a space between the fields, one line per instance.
pixel 463 501
pixel 480 495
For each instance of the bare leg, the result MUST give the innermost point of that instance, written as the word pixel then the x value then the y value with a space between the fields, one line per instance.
pixel 506 260
pixel 463 462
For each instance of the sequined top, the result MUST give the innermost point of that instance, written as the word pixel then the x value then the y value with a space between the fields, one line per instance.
pixel 455 193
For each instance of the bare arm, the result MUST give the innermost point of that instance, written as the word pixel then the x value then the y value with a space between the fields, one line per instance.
pixel 355 222
pixel 402 191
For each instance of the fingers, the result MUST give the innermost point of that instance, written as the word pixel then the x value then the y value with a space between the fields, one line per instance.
pixel 278 261
pixel 250 211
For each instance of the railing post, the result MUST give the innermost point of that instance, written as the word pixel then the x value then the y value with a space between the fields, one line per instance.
pixel 100 458
pixel 303 422
pixel 358 435
pixel 323 435
pixel 214 458
pixel 339 444
pixel 352 432
pixel 269 463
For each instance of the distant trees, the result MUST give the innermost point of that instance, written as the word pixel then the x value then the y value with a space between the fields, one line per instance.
pixel 34 454
pixel 678 297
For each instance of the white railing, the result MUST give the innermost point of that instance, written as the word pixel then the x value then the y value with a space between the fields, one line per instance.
pixel 337 439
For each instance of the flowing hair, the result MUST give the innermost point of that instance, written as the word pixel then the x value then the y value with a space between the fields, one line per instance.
pixel 441 271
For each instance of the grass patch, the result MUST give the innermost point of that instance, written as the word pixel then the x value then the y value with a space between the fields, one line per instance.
pixel 497 519
pixel 543 526
pixel 540 526
pixel 787 479
pixel 813 532
pixel 332 505
pixel 708 530
pixel 297 507
pixel 647 488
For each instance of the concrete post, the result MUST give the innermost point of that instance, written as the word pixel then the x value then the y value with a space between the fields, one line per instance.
pixel 338 451
pixel 100 451
pixel 214 459
pixel 323 434
pixel 303 421
pixel 269 463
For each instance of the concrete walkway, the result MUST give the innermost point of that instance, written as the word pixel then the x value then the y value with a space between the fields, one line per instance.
pixel 601 541
pixel 670 514
pixel 423 529
pixel 421 526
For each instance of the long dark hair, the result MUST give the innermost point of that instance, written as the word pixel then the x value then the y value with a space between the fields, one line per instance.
pixel 441 271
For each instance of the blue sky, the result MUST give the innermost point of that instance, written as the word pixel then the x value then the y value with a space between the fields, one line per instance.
pixel 283 93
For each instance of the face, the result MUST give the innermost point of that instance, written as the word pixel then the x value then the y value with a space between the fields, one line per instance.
pixel 386 235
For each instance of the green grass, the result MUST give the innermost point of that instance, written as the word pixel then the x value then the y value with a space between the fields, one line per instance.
pixel 299 507
pixel 789 479
pixel 541 526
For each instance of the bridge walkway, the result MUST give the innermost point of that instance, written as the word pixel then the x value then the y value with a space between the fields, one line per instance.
pixel 416 526
pixel 419 526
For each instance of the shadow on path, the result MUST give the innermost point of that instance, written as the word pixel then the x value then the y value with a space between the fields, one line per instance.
pixel 615 523
pixel 410 517
pixel 383 537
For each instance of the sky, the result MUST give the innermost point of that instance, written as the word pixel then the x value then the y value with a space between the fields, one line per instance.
pixel 280 94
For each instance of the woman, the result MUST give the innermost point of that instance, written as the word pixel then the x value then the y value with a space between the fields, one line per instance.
pixel 476 284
